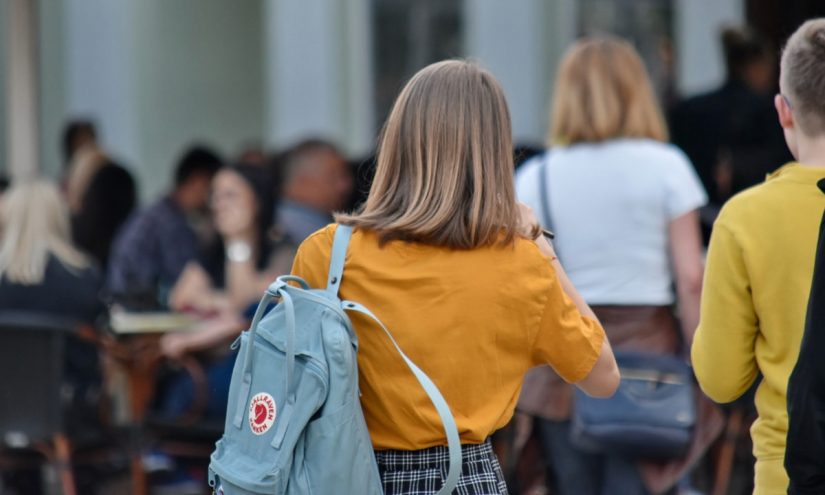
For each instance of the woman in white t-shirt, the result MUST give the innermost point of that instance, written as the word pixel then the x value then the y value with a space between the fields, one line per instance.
pixel 623 204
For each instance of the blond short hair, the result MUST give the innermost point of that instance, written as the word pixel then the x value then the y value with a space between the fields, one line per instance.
pixel 35 225
pixel 803 75
pixel 603 92
pixel 444 172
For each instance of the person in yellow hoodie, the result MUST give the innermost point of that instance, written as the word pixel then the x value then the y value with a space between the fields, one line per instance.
pixel 760 267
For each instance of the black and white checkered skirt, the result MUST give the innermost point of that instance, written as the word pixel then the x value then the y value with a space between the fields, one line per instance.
pixel 422 472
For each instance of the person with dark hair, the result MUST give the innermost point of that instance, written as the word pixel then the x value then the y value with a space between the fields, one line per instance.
pixel 77 134
pixel 152 249
pixel 225 282
pixel 105 205
pixel 317 182
pixel 730 134
pixel 245 258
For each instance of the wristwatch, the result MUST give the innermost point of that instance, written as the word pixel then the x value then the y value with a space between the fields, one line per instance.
pixel 238 251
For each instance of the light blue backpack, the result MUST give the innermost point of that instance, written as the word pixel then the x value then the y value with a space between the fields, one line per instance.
pixel 294 423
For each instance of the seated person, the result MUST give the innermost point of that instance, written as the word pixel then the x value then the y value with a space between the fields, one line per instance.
pixel 105 203
pixel 226 283
pixel 41 271
pixel 152 248
pixel 317 183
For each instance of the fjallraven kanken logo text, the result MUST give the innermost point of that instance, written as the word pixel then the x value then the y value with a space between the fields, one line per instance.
pixel 262 411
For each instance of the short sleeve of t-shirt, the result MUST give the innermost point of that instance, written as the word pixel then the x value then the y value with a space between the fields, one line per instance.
pixel 683 189
pixel 569 342
pixel 311 261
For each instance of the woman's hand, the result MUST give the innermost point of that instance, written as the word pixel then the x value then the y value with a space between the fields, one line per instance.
pixel 529 225
pixel 530 228
pixel 174 345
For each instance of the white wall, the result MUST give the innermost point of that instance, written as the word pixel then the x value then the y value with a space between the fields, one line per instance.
pixel 521 42
pixel 52 65
pixel 199 77
pixel 318 72
pixel 157 75
pixel 699 59
pixel 101 74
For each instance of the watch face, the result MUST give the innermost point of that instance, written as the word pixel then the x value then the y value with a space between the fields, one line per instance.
pixel 238 251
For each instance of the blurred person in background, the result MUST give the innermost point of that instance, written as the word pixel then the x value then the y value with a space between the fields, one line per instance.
pixel 4 185
pixel 317 182
pixel 103 208
pixel 226 282
pixel 80 171
pixel 154 246
pixel 623 204
pixel 730 134
pixel 41 271
pixel 77 134
pixel 764 284
pixel 252 153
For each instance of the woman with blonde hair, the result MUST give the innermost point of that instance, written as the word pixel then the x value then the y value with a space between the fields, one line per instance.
pixel 40 269
pixel 623 204
pixel 451 264
pixel 42 272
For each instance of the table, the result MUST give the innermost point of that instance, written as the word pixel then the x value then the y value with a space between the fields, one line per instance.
pixel 134 348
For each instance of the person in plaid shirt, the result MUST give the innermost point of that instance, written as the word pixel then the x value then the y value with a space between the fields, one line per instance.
pixel 154 245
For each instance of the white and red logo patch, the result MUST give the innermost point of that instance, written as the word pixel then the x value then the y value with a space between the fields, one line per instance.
pixel 262 412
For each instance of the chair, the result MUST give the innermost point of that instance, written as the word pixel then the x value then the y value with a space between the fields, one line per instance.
pixel 33 396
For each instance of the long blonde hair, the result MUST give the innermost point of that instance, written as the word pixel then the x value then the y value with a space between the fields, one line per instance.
pixel 603 92
pixel 34 222
pixel 444 172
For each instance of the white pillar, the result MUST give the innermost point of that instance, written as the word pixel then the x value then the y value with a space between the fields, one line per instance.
pixel 520 41
pixel 21 88
pixel 699 58
pixel 318 72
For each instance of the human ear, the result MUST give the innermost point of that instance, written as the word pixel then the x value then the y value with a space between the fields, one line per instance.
pixel 783 111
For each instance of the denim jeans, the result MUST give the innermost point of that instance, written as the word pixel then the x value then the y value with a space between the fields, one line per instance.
pixel 579 473
pixel 178 393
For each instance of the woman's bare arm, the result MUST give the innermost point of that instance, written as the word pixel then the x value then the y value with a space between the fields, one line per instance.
pixel 685 240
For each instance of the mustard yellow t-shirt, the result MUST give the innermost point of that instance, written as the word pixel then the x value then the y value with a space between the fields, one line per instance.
pixel 475 321
pixel 757 283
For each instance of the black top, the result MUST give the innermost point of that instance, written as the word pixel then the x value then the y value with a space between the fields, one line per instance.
pixel 805 449
pixel 63 292
pixel 74 294
pixel 733 123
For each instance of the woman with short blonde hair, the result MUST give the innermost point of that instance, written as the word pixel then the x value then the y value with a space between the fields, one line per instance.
pixel 35 228
pixel 43 274
pixel 450 263
pixel 602 92
pixel 623 204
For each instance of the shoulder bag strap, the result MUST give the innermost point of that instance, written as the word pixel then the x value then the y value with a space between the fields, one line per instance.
pixel 544 196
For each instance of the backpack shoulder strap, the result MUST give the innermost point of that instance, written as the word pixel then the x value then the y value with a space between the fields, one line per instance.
pixel 447 419
pixel 340 243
